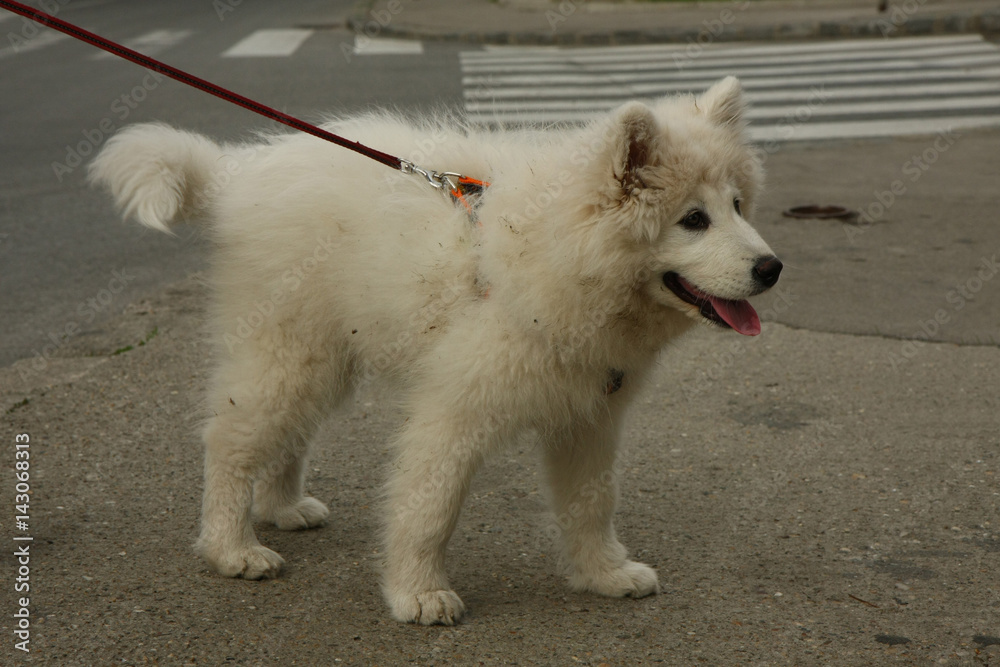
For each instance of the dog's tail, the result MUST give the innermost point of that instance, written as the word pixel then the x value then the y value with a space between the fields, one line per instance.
pixel 157 174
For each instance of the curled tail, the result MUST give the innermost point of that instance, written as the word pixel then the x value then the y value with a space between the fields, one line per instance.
pixel 157 174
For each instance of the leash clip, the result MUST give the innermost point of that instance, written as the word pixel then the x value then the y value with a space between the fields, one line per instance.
pixel 436 179
pixel 460 189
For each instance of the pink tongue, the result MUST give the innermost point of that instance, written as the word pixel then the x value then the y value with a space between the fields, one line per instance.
pixel 740 315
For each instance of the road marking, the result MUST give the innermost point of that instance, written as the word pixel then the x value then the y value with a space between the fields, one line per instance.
pixel 366 46
pixel 150 44
pixel 871 128
pixel 268 43
pixel 961 54
pixel 487 88
pixel 926 94
pixel 837 89
pixel 725 50
pixel 39 41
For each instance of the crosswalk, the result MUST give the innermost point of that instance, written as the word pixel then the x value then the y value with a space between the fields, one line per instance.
pixel 150 43
pixel 801 91
pixel 798 91
pixel 267 43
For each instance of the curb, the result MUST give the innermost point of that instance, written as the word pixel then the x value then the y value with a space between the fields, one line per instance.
pixel 984 22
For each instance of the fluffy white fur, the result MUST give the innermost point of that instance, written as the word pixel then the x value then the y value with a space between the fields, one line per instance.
pixel 331 271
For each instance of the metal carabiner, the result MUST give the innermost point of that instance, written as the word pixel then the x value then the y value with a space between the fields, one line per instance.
pixel 436 179
pixel 451 178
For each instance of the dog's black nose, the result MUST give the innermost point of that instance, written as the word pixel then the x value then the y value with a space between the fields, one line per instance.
pixel 767 270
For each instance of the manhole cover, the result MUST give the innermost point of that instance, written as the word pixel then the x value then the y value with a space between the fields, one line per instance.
pixel 821 212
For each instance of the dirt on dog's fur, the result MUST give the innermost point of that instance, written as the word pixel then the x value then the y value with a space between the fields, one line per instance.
pixel 590 250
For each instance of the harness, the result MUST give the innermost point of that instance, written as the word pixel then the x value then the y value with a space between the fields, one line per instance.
pixel 462 190
pixel 466 192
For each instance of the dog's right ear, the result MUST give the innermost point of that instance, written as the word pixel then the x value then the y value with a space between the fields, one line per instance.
pixel 636 139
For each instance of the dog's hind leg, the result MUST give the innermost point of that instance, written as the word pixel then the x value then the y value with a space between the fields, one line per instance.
pixel 584 486
pixel 266 410
pixel 279 493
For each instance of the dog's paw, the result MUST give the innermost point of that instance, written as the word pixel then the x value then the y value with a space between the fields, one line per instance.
pixel 430 608
pixel 632 579
pixel 306 513
pixel 254 562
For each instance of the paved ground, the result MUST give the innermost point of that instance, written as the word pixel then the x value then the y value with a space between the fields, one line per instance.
pixel 824 494
pixel 585 22
pixel 57 242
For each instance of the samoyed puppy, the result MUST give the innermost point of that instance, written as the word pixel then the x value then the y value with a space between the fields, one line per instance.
pixel 540 304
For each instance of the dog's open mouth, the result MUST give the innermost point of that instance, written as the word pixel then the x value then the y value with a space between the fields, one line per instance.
pixel 738 315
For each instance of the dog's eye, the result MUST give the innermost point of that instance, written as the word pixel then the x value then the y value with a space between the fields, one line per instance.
pixel 737 205
pixel 695 220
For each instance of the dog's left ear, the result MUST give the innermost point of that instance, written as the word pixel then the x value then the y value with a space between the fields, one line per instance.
pixel 723 103
pixel 635 146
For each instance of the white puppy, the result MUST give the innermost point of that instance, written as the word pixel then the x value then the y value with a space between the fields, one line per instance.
pixel 543 309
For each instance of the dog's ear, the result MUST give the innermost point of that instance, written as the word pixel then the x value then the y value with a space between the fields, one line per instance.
pixel 724 103
pixel 635 143
pixel 637 137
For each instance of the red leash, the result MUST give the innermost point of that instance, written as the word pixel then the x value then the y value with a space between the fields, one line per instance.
pixel 437 179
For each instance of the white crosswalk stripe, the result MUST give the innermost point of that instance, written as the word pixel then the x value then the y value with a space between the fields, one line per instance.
pixel 269 43
pixel 40 40
pixel 366 46
pixel 151 43
pixel 822 90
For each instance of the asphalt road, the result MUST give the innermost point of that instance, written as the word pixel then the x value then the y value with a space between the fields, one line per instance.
pixel 68 263
pixel 61 242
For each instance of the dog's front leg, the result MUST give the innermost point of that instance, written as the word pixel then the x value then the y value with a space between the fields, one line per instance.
pixel 580 463
pixel 429 483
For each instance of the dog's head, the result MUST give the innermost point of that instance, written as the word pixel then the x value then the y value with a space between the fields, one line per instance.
pixel 683 183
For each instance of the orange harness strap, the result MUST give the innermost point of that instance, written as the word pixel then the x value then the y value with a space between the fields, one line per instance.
pixel 466 192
